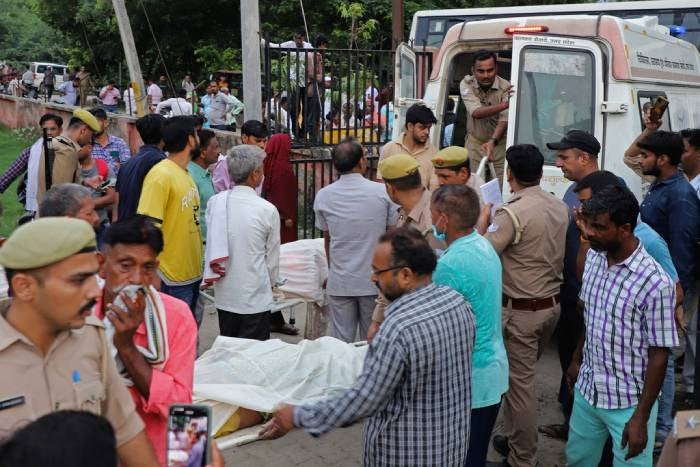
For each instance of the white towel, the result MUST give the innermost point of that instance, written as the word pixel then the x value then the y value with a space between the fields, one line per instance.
pixel 216 253
pixel 31 204
pixel 158 350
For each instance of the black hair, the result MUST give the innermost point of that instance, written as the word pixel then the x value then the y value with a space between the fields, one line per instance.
pixel 46 117
pixel 300 31
pixel 664 142
pixel 597 180
pixel 76 122
pixel 136 230
pixel 457 168
pixel 254 128
pixel 692 135
pixel 617 201
pixel 407 183
pixel 481 55
pixel 450 105
pixel 460 202
pixel 176 132
pixel 99 113
pixel 419 113
pixel 410 249
pixel 198 120
pixel 150 128
pixel 182 93
pixel 205 136
pixel 347 155
pixel 525 162
pixel 70 437
pixel 320 40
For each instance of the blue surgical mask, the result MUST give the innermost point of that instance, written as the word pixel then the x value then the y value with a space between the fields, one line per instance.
pixel 439 236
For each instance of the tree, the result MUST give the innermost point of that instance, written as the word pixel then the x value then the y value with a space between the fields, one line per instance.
pixel 24 37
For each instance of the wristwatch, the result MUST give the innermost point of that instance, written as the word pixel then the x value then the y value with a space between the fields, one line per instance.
pixel 495 141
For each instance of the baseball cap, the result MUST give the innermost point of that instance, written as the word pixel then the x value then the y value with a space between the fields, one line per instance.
pixel 578 139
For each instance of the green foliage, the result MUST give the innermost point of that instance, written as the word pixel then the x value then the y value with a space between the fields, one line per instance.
pixel 24 37
pixel 213 58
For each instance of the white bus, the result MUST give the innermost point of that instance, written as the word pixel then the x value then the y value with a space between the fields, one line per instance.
pixel 587 72
pixel 682 17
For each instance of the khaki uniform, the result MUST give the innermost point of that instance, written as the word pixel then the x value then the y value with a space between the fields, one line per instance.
pixel 424 157
pixel 530 241
pixel 480 130
pixel 420 219
pixel 78 372
pixel 65 164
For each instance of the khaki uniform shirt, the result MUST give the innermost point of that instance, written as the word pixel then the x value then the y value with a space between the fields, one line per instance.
pixel 420 219
pixel 65 164
pixel 534 267
pixel 34 384
pixel 474 97
pixel 424 157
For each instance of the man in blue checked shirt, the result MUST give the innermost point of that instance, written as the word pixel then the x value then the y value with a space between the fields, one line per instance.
pixel 629 329
pixel 415 389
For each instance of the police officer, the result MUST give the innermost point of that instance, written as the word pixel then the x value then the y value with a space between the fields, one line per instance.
pixel 64 151
pixel 485 96
pixel 53 353
pixel 529 233
pixel 402 177
pixel 451 167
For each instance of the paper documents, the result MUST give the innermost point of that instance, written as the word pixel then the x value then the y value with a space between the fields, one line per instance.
pixel 491 193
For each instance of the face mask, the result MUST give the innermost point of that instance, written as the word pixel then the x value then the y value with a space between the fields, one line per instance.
pixel 439 236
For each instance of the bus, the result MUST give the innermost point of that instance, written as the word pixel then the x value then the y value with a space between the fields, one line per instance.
pixel 682 17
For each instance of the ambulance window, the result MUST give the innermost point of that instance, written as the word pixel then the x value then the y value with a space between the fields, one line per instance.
pixel 555 94
pixel 646 99
pixel 408 72
pixel 41 69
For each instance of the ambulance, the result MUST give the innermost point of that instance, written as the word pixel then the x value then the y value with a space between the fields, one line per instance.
pixel 585 72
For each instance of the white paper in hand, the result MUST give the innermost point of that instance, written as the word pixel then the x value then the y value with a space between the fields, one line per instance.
pixel 491 193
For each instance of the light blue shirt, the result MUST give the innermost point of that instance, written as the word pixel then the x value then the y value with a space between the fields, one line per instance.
pixel 656 247
pixel 471 267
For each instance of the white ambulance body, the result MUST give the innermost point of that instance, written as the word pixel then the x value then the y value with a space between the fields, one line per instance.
pixel 586 72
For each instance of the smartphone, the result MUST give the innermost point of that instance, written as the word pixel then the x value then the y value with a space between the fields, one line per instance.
pixel 189 432
pixel 105 184
pixel 114 155
pixel 658 108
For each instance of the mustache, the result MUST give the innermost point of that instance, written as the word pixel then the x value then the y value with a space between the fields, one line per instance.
pixel 88 306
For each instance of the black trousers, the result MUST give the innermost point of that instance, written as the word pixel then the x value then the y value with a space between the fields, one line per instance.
pixel 253 326
pixel 482 422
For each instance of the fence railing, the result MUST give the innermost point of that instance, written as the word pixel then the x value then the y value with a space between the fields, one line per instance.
pixel 312 174
pixel 321 96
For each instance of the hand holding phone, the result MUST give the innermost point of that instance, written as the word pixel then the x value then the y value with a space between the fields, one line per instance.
pixel 658 108
pixel 189 434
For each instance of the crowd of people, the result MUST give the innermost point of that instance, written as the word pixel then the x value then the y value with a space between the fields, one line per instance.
pixel 457 301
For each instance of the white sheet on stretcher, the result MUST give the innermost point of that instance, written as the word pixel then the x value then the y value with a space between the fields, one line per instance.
pixel 258 375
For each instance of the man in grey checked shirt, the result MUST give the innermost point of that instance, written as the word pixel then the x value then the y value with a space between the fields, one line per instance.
pixel 629 330
pixel 415 387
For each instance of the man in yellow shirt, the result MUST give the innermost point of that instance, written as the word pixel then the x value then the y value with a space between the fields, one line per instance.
pixel 170 198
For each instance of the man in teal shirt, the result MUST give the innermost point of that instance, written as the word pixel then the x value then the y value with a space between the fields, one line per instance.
pixel 198 169
pixel 471 267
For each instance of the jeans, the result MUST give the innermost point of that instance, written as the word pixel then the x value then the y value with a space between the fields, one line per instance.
pixel 480 429
pixel 187 293
pixel 590 427
pixel 690 305
pixel 664 422
pixel 110 108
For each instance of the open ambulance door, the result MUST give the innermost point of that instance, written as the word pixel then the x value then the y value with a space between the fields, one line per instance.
pixel 559 86
pixel 405 86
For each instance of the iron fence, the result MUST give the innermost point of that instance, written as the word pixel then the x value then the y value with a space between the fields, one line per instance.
pixel 321 96
pixel 312 174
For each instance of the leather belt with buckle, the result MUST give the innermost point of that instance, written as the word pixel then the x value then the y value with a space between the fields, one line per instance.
pixel 531 304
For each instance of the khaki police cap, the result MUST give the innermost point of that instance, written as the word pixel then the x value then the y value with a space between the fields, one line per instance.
pixel 449 157
pixel 46 241
pixel 398 166
pixel 88 119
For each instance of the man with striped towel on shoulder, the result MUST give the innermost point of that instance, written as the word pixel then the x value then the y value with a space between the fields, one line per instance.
pixel 152 336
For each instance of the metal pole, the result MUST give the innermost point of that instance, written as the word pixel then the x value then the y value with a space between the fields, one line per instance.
pixel 132 59
pixel 250 40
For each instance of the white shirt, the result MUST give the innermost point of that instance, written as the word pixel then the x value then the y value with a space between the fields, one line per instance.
pixel 155 93
pixel 695 183
pixel 254 250
pixel 70 93
pixel 177 105
pixel 130 101
pixel 28 77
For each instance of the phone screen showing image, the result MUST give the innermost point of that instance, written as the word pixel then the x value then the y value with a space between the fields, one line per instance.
pixel 188 436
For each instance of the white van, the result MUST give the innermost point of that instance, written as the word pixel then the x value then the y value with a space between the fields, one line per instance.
pixel 39 68
pixel 586 72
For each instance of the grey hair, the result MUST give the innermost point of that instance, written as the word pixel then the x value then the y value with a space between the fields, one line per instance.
pixel 63 200
pixel 243 160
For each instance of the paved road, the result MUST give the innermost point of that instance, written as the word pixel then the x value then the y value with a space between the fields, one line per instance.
pixel 342 447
